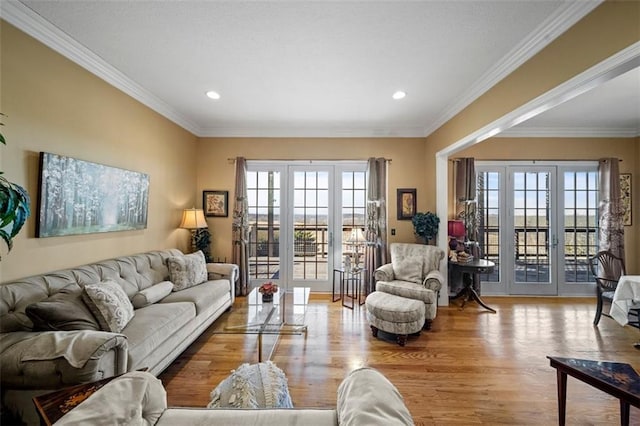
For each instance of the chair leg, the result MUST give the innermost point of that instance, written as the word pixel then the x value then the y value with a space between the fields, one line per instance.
pixel 596 320
pixel 427 324
pixel 402 339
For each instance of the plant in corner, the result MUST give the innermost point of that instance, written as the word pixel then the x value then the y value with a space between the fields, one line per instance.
pixel 425 225
pixel 202 240
pixel 14 206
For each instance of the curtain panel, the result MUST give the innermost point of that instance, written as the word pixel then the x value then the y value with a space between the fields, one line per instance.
pixel 376 250
pixel 610 209
pixel 240 228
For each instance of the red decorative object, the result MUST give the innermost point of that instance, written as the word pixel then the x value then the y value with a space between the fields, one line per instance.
pixel 456 228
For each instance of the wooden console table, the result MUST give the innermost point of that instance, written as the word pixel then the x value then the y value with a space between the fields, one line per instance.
pixel 615 378
pixel 470 280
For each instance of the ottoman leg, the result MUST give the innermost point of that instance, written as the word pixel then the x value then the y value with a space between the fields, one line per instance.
pixel 402 339
pixel 374 331
pixel 427 324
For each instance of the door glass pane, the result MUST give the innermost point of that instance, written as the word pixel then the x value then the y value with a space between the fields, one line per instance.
pixel 263 199
pixel 580 227
pixel 531 232
pixel 310 222
pixel 353 215
pixel 488 193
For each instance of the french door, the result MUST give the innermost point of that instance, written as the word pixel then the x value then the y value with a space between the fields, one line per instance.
pixel 538 223
pixel 301 214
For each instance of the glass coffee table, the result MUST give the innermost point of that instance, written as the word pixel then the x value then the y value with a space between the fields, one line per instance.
pixel 285 314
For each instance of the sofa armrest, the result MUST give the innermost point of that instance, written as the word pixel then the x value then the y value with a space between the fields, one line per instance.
pixel 54 358
pixel 223 270
pixel 384 273
pixel 433 281
pixel 366 397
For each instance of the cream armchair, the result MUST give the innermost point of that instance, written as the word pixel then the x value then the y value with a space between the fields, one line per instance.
pixel 414 273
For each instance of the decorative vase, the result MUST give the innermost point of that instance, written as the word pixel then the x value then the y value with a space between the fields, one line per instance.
pixel 266 298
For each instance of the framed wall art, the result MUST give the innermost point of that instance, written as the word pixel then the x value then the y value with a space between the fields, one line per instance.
pixel 406 203
pixel 625 198
pixel 215 203
pixel 81 197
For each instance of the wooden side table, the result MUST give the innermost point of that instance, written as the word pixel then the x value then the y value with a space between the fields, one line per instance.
pixel 470 271
pixel 615 378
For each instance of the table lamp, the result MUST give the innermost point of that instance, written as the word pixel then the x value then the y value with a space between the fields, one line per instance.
pixel 193 219
pixel 356 239
pixel 457 232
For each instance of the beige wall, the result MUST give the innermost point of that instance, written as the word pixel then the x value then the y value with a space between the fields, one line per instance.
pixel 54 105
pixel 626 149
pixel 406 170
pixel 610 28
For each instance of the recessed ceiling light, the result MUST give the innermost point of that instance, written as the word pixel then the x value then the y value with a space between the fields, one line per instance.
pixel 399 95
pixel 213 95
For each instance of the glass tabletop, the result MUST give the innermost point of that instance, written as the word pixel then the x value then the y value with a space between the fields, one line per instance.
pixel 285 314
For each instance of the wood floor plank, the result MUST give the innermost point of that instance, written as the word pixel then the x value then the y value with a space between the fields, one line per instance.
pixel 473 367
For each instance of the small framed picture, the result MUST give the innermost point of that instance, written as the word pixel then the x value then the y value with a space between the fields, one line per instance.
pixel 406 203
pixel 215 203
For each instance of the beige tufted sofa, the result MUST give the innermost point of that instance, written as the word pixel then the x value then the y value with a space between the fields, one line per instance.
pixel 35 362
pixel 414 273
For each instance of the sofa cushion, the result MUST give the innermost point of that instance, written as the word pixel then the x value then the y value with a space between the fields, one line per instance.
pixel 187 271
pixel 154 324
pixel 63 311
pixel 109 304
pixel 409 269
pixel 152 294
pixel 204 295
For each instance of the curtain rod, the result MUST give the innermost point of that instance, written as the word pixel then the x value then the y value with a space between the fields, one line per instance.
pixel 233 160
pixel 457 160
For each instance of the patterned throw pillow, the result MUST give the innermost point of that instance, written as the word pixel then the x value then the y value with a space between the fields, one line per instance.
pixel 409 269
pixel 109 304
pixel 187 271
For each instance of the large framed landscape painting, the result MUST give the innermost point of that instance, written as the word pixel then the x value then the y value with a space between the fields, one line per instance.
pixel 80 197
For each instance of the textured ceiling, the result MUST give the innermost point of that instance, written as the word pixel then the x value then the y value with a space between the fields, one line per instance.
pixel 299 68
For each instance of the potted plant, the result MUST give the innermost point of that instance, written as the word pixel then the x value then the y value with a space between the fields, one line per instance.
pixel 425 225
pixel 14 206
pixel 268 290
pixel 202 239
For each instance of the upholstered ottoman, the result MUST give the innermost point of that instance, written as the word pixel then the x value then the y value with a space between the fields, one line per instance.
pixel 394 314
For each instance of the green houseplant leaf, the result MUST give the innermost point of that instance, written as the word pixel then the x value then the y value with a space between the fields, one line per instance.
pixel 14 210
pixel 426 225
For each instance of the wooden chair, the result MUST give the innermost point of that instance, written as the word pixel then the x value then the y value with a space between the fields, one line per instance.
pixel 607 270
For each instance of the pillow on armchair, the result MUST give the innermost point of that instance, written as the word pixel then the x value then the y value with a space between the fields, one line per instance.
pixel 409 269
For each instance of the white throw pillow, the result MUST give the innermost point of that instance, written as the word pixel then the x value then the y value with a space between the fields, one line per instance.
pixel 109 304
pixel 152 294
pixel 409 269
pixel 187 271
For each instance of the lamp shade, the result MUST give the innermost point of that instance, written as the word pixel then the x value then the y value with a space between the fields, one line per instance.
pixel 356 237
pixel 456 228
pixel 193 219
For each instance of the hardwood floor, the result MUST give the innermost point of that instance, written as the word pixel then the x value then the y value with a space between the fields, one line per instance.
pixel 473 367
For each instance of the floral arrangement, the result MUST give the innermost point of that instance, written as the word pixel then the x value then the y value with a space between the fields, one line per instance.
pixel 268 288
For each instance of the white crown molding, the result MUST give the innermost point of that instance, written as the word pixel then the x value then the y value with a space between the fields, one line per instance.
pixel 25 19
pixel 618 64
pixel 563 19
pixel 313 132
pixel 569 132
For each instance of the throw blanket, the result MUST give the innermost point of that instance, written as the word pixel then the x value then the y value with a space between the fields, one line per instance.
pixel 134 399
pixel 76 346
pixel 261 385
